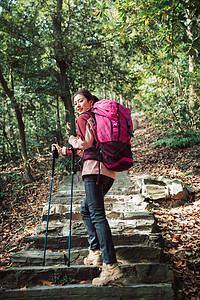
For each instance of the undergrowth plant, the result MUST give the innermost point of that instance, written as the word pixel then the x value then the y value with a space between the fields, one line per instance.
pixel 170 104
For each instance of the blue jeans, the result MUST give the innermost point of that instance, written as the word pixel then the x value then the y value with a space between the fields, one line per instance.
pixel 94 218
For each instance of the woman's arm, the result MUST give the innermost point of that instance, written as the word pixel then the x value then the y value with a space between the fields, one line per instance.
pixel 85 137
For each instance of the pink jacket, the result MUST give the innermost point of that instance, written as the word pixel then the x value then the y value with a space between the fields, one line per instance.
pixel 86 140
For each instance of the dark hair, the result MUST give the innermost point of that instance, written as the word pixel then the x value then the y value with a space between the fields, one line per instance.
pixel 87 95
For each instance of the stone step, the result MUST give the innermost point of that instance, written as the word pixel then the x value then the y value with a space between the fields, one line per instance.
pixel 88 291
pixel 14 278
pixel 79 193
pixel 61 226
pixel 121 179
pixel 122 185
pixel 137 245
pixel 133 202
pixel 125 254
pixel 130 205
pixel 110 215
pixel 80 241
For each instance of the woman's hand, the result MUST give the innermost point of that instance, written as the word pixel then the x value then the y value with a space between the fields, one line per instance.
pixel 71 139
pixel 53 146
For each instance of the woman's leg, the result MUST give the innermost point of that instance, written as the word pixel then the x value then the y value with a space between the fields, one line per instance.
pixel 92 235
pixel 93 214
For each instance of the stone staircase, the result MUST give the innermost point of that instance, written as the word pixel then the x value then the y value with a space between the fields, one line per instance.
pixel 138 247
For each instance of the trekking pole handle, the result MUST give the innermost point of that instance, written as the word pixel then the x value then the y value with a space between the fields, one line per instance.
pixel 71 148
pixel 55 155
pixel 72 160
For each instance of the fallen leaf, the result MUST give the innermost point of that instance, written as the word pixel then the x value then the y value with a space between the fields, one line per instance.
pixel 12 249
pixel 47 283
pixel 178 263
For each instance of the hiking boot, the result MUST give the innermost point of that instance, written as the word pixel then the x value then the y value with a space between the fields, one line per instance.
pixel 94 258
pixel 108 274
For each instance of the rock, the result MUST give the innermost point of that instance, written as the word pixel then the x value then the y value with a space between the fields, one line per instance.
pixel 140 182
pixel 54 209
pixel 182 195
pixel 53 226
pixel 175 186
pixel 162 187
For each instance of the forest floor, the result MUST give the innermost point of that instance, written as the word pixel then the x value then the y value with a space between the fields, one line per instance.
pixel 178 219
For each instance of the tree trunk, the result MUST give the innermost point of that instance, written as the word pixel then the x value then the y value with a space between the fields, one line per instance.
pixel 12 135
pixel 20 122
pixel 27 168
pixel 191 32
pixel 58 126
pixel 191 86
pixel 61 63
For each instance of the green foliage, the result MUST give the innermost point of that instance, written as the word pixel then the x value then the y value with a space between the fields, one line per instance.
pixel 145 53
pixel 6 184
pixel 64 164
pixel 168 101
pixel 63 280
pixel 173 139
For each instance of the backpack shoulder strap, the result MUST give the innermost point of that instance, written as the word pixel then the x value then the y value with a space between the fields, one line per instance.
pixel 92 115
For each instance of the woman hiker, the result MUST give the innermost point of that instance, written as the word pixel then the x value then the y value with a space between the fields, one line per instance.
pixel 92 208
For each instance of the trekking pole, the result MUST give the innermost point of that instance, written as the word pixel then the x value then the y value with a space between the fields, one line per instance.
pixel 70 217
pixel 55 155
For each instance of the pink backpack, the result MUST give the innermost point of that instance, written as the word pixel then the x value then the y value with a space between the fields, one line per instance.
pixel 113 128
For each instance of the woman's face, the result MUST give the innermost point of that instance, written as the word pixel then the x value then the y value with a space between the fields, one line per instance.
pixel 81 103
